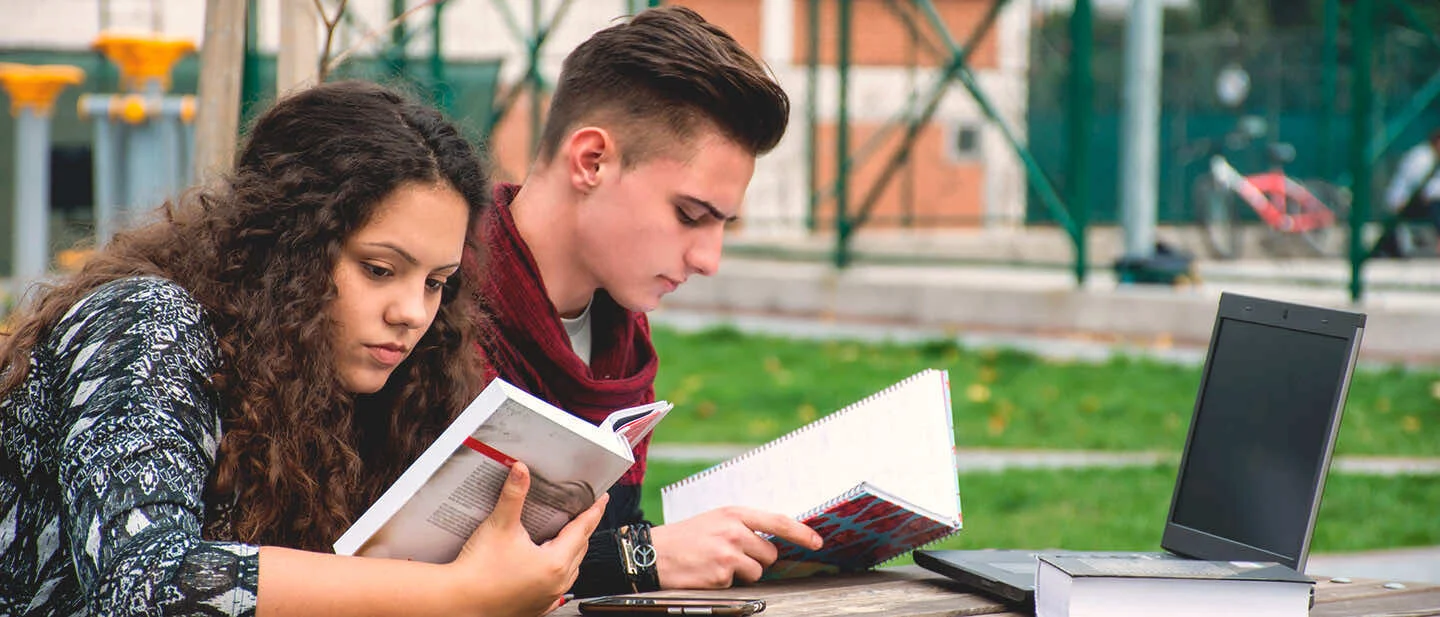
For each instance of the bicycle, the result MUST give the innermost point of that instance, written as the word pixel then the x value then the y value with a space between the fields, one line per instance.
pixel 1310 210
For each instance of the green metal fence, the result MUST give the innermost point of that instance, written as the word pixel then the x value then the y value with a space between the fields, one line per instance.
pixel 1302 98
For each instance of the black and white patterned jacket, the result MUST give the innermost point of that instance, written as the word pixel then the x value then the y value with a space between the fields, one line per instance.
pixel 105 450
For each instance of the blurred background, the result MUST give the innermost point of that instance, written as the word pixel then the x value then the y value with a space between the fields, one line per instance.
pixel 1045 197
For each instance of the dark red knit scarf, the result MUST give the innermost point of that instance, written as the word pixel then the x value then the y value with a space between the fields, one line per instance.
pixel 527 345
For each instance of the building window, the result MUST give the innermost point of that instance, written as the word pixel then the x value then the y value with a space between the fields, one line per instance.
pixel 963 143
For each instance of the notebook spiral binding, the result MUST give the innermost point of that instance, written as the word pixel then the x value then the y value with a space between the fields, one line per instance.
pixel 787 436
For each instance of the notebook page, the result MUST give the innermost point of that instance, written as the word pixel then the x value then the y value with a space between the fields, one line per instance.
pixel 899 440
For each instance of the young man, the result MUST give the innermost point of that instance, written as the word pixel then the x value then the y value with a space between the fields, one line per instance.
pixel 646 155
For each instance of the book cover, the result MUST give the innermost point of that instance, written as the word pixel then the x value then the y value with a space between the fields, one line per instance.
pixel 436 504
pixel 1068 586
pixel 895 448
pixel 1143 567
pixel 861 529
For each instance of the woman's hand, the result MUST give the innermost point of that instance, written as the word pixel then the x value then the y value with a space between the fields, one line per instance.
pixel 503 572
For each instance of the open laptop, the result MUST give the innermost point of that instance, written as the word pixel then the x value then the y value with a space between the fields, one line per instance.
pixel 1254 464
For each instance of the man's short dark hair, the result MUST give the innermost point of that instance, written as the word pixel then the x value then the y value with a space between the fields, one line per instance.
pixel 660 78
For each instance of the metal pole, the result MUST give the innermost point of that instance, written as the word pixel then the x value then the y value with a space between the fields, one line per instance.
pixel 1414 109
pixel 1361 100
pixel 103 158
pixel 1139 169
pixel 440 90
pixel 398 36
pixel 1079 117
pixel 250 94
pixel 146 181
pixel 536 85
pixel 32 197
pixel 812 121
pixel 1330 65
pixel 167 132
pixel 842 141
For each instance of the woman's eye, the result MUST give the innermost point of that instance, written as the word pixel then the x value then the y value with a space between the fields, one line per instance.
pixel 435 285
pixel 375 271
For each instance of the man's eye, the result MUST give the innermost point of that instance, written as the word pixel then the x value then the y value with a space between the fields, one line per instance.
pixel 685 217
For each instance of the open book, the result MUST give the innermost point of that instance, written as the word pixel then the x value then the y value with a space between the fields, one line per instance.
pixel 875 480
pixel 434 507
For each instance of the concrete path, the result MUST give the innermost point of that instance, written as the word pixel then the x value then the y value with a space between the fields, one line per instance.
pixel 1403 324
pixel 970 460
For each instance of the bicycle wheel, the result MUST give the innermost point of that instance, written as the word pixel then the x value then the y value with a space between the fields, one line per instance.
pixel 1329 240
pixel 1217 211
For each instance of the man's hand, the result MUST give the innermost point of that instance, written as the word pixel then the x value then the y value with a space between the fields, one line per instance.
pixel 718 548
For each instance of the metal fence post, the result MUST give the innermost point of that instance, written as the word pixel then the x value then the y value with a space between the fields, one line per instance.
pixel 1360 99
pixel 1079 119
pixel 32 91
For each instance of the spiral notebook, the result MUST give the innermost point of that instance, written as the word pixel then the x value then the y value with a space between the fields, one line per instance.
pixel 876 479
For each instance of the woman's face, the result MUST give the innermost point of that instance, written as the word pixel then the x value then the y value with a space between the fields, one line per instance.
pixel 390 276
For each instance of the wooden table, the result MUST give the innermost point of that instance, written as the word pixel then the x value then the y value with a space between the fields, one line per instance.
pixel 913 592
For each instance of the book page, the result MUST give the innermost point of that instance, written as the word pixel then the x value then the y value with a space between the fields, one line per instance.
pixel 899 440
pixel 635 423
pixel 438 502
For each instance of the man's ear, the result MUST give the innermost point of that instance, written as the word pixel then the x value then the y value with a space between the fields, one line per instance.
pixel 589 154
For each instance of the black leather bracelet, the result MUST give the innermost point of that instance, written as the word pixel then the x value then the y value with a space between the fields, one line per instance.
pixel 638 555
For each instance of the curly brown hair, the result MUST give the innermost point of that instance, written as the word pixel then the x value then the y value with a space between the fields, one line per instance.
pixel 300 456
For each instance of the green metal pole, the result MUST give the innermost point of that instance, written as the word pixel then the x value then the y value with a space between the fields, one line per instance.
pixel 1079 119
pixel 439 89
pixel 398 37
pixel 1416 20
pixel 536 85
pixel 1329 83
pixel 1414 109
pixel 959 55
pixel 1036 176
pixel 842 141
pixel 1361 100
pixel 812 128
pixel 250 68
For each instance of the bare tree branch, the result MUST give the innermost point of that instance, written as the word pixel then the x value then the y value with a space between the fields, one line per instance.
pixel 375 34
pixel 330 25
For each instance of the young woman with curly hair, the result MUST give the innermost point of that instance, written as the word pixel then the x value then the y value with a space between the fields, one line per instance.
pixel 190 421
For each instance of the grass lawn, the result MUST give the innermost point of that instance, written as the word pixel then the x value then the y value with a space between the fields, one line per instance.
pixel 738 388
pixel 1125 509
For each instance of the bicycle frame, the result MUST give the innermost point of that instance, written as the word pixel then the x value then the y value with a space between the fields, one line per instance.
pixel 1267 194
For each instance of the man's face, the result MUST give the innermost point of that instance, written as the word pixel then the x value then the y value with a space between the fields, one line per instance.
pixel 644 230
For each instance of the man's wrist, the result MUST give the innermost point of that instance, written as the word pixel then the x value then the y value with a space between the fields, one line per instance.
pixel 637 555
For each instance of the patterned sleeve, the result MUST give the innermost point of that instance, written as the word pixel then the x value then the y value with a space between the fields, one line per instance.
pixel 142 428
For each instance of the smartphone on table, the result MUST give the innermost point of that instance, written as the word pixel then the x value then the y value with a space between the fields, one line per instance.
pixel 643 605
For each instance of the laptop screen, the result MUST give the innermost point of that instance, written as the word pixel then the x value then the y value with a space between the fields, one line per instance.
pixel 1261 440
